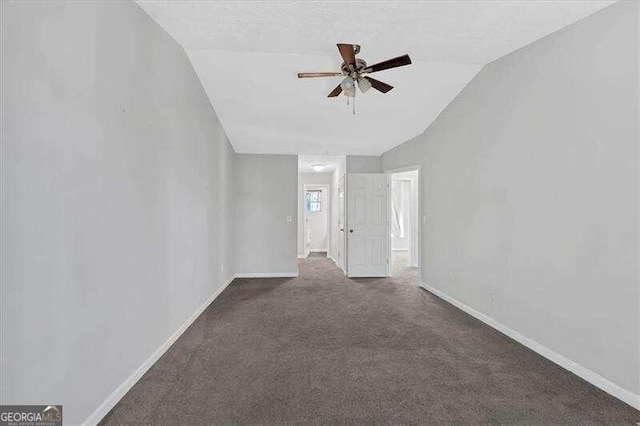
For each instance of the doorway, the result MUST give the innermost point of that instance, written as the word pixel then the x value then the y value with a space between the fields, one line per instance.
pixel 404 221
pixel 317 219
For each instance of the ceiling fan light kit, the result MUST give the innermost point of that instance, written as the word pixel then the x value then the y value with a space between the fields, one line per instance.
pixel 364 84
pixel 348 87
pixel 354 69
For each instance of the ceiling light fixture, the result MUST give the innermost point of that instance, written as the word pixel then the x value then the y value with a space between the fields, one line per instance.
pixel 318 167
pixel 364 84
pixel 348 87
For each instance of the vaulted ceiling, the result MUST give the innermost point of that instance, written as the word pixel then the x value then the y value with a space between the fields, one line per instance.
pixel 247 55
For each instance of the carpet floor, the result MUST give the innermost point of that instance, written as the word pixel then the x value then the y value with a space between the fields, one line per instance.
pixel 322 348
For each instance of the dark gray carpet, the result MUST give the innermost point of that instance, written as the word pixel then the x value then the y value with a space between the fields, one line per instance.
pixel 325 349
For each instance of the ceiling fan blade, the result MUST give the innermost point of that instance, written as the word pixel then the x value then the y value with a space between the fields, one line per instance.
pixel 348 53
pixel 318 74
pixel 335 92
pixel 379 85
pixel 390 63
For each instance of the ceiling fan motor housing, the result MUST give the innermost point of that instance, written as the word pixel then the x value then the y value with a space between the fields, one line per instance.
pixel 360 65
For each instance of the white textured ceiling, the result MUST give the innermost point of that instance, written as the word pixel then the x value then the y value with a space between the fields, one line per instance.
pixel 247 55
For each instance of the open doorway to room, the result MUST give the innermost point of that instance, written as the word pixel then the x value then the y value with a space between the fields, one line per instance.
pixel 404 222
pixel 319 213
pixel 317 216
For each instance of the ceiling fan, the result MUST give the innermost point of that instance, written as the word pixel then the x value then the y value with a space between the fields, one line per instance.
pixel 354 69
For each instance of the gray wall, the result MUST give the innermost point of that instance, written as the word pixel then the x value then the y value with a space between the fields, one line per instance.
pixel 530 188
pixel 266 188
pixel 310 179
pixel 116 199
pixel 364 164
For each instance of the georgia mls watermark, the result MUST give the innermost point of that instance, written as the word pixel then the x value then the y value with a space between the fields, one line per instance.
pixel 30 415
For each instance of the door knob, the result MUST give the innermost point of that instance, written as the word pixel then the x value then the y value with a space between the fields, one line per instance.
pixel 341 229
pixel 351 231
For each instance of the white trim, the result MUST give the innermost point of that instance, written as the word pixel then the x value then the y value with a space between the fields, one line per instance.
pixel 343 265
pixel 319 251
pixel 266 275
pixel 577 369
pixel 403 169
pixel 334 260
pixel 110 402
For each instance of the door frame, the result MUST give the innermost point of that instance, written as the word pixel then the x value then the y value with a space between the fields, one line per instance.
pixel 419 219
pixel 326 188
pixel 343 260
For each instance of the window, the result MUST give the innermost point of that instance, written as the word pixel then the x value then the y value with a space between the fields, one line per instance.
pixel 314 201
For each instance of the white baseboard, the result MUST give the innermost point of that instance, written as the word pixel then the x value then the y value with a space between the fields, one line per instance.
pixel 335 261
pixel 266 275
pixel 564 362
pixel 116 395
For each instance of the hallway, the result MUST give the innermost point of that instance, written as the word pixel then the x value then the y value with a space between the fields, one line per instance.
pixel 325 349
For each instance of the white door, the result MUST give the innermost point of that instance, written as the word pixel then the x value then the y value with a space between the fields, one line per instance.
pixel 367 225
